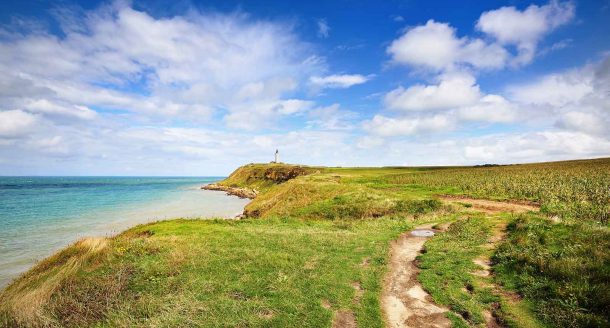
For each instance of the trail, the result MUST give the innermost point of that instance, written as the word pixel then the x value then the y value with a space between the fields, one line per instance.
pixel 491 206
pixel 404 302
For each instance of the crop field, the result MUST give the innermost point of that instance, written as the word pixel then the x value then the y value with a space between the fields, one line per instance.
pixel 578 190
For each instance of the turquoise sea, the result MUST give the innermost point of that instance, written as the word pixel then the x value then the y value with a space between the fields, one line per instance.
pixel 40 215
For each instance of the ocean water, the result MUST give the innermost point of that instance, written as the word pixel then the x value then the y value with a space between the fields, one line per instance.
pixel 40 215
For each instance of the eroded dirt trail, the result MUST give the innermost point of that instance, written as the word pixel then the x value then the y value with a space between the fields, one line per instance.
pixel 404 301
pixel 492 206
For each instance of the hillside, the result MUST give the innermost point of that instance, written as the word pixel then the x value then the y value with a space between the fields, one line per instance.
pixel 315 249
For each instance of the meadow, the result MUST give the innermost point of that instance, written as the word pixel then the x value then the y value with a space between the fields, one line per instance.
pixel 314 245
pixel 578 190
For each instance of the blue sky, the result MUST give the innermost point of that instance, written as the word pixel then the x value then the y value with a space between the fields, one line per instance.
pixel 200 87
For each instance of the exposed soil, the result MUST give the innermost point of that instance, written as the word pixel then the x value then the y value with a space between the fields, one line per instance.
pixel 344 319
pixel 404 302
pixel 491 206
pixel 484 263
pixel 239 192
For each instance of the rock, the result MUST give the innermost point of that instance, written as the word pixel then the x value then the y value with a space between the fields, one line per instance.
pixel 239 192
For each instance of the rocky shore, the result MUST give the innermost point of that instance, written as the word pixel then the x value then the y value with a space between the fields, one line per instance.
pixel 239 192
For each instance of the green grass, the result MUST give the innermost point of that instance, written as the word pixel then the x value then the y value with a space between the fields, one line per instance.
pixel 263 273
pixel 563 269
pixel 313 232
pixel 262 177
pixel 446 268
pixel 575 190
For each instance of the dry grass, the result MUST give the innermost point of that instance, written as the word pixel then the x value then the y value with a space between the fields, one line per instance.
pixel 25 301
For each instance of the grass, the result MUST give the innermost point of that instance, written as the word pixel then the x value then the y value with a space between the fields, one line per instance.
pixel 448 274
pixel 262 177
pixel 264 273
pixel 446 270
pixel 564 269
pixel 314 233
pixel 574 190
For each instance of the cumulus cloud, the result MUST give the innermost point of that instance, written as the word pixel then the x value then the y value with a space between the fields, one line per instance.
pixel 456 98
pixel 341 81
pixel 524 29
pixel 535 146
pixel 555 89
pixel 436 46
pixel 490 108
pixel 174 68
pixel 454 90
pixel 387 126
pixel 589 123
pixel 576 100
pixel 82 96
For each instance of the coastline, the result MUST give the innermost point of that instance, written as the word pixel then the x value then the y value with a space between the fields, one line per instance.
pixel 332 231
pixel 248 193
pixel 22 254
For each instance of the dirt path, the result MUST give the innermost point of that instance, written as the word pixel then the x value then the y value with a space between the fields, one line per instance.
pixel 491 206
pixel 404 301
pixel 485 272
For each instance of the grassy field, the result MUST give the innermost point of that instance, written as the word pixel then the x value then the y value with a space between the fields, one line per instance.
pixel 573 190
pixel 447 269
pixel 564 269
pixel 315 243
pixel 263 273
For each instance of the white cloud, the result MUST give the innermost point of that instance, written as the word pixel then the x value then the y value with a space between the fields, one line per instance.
pixel 368 142
pixel 454 90
pixel 584 122
pixel 47 107
pixel 293 106
pixel 555 89
pixel 433 45
pixel 535 146
pixel 525 29
pixel 323 28
pixel 338 81
pixel 575 100
pixel 16 123
pixel 436 46
pixel 490 108
pixel 331 118
pixel 388 126
pixel 183 67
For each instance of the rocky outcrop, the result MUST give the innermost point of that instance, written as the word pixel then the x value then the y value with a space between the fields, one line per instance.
pixel 279 174
pixel 239 192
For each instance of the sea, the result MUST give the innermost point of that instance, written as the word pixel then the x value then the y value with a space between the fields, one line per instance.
pixel 40 215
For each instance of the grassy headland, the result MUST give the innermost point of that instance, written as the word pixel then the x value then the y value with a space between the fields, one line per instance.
pixel 315 244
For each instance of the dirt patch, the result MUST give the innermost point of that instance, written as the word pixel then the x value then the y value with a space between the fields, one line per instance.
pixel 491 206
pixel 239 192
pixel 404 302
pixel 485 266
pixel 344 319
pixel 266 314
pixel 484 263
pixel 490 320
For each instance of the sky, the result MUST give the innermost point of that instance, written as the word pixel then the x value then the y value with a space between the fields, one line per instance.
pixel 198 88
